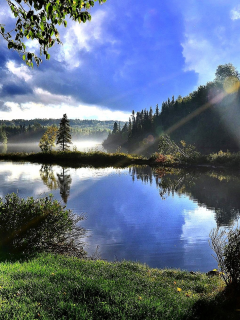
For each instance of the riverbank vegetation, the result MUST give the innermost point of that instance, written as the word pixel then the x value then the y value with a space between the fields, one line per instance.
pixel 220 159
pixel 77 158
pixel 94 158
pixel 58 287
pixel 29 226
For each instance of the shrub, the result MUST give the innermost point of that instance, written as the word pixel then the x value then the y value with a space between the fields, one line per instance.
pixel 32 225
pixel 226 245
pixel 184 153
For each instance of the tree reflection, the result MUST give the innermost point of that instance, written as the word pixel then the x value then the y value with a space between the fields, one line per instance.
pixel 48 177
pixel 217 191
pixel 64 183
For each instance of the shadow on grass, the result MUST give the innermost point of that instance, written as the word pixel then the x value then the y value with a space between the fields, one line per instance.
pixel 224 306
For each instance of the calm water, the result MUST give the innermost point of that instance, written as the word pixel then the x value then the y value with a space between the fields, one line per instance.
pixel 137 214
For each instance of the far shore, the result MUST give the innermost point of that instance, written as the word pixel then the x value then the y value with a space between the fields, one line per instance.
pixel 96 159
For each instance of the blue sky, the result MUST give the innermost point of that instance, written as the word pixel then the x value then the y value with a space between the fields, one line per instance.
pixel 132 55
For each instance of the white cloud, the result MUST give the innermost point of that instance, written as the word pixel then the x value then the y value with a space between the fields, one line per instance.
pixel 99 113
pixel 15 172
pixel 235 13
pixel 21 72
pixel 84 36
pixel 32 45
pixel 48 98
pixel 206 48
pixel 31 110
pixel 198 224
pixel 196 52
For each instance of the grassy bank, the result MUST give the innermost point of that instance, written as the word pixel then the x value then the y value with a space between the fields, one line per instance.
pixel 77 158
pixel 220 159
pixel 58 287
pixel 96 159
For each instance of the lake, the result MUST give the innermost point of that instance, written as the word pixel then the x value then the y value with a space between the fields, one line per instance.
pixel 141 214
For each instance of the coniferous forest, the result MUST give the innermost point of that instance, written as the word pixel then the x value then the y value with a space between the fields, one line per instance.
pixel 208 118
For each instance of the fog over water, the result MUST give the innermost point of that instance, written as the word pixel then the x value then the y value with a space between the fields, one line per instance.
pixel 84 145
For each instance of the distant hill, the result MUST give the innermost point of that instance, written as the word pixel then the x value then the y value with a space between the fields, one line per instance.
pixel 96 124
pixel 22 130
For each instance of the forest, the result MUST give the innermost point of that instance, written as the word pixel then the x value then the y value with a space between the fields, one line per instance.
pixel 207 118
pixel 24 131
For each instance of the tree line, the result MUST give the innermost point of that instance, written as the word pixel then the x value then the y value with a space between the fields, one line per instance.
pixel 207 118
pixel 21 130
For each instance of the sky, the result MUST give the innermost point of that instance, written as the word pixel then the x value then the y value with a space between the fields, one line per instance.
pixel 130 56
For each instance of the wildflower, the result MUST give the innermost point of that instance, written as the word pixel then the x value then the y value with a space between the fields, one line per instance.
pixel 179 289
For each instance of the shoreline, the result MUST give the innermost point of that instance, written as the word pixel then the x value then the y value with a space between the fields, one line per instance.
pixel 99 159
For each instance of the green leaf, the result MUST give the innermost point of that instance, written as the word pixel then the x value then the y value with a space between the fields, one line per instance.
pixel 47 56
pixel 2 29
pixel 47 6
pixel 24 57
pixel 42 26
pixel 10 45
pixel 65 23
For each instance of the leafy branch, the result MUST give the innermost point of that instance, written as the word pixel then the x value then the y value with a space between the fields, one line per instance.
pixel 39 20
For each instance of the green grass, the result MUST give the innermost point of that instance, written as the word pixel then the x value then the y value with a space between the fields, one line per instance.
pixel 77 158
pixel 59 287
pixel 96 159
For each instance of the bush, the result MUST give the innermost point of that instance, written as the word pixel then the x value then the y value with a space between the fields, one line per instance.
pixel 33 225
pixel 226 245
pixel 184 153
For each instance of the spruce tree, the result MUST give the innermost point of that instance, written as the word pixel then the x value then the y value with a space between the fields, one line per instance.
pixel 63 135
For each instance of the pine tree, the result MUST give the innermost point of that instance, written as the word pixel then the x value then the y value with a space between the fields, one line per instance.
pixel 63 135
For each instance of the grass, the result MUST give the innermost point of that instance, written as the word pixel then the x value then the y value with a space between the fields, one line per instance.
pixel 97 159
pixel 58 287
pixel 77 158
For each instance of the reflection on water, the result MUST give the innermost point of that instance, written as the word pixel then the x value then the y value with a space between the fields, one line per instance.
pixel 217 191
pixel 48 177
pixel 64 182
pixel 160 217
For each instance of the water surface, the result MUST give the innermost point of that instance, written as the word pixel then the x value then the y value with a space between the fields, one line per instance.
pixel 158 218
